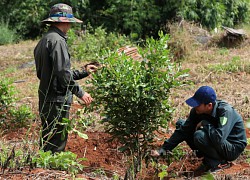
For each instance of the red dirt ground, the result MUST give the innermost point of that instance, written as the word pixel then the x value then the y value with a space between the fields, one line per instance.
pixel 104 160
pixel 107 157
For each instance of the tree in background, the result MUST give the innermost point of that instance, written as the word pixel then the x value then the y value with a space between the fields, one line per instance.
pixel 136 18
pixel 214 13
pixel 24 16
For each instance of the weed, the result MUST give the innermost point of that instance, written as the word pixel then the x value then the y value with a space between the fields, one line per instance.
pixel 99 172
pixel 20 115
pixel 85 119
pixel 163 171
pixel 69 126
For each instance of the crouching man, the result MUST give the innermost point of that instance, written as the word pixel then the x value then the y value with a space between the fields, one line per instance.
pixel 214 130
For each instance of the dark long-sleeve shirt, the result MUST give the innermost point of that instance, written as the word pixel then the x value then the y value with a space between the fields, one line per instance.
pixel 223 124
pixel 57 80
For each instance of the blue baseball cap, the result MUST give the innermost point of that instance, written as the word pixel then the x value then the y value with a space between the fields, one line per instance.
pixel 205 94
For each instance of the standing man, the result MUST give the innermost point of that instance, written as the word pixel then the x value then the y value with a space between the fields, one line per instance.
pixel 57 80
pixel 213 129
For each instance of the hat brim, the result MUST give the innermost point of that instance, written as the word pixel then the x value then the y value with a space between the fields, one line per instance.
pixel 193 102
pixel 61 19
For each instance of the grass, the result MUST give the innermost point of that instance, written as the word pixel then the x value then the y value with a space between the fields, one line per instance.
pixel 233 66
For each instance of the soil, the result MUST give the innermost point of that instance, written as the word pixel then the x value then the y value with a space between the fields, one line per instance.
pixel 104 161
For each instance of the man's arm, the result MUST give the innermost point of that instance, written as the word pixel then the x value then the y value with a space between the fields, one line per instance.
pixel 179 135
pixel 77 75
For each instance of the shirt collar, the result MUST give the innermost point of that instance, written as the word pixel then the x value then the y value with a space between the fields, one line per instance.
pixel 214 109
pixel 59 32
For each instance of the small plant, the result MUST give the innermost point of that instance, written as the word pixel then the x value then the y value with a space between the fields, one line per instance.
pixel 208 176
pixel 99 172
pixel 6 94
pixel 163 171
pixel 10 115
pixel 169 158
pixel 20 115
pixel 66 161
pixel 69 127
pixel 85 119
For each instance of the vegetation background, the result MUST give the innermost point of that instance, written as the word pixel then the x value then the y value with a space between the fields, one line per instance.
pixel 134 18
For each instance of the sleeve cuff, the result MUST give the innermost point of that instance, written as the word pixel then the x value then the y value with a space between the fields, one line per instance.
pixel 162 152
pixel 80 94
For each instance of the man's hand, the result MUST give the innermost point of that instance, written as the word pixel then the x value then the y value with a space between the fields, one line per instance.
pixel 154 153
pixel 90 68
pixel 87 99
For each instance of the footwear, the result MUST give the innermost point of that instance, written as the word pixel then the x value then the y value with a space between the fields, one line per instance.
pixel 203 168
pixel 221 166
pixel 198 153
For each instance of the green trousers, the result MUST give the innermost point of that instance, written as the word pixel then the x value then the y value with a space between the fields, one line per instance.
pixel 53 139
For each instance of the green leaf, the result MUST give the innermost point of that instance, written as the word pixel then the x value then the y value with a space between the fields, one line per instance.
pixel 84 136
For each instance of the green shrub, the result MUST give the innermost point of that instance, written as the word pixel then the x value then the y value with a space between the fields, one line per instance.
pixel 6 97
pixel 134 95
pixel 7 35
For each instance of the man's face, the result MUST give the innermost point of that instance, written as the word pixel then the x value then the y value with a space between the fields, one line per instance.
pixel 68 26
pixel 204 108
pixel 65 27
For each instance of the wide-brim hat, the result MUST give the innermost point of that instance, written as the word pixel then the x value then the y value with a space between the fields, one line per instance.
pixel 61 13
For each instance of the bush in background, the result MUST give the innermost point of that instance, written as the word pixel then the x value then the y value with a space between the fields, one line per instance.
pixel 213 14
pixel 89 44
pixel 7 35
pixel 137 19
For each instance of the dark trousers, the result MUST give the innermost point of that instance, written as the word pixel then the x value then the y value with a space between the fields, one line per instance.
pixel 53 139
pixel 213 154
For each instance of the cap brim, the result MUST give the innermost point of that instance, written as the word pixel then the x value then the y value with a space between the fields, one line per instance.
pixel 61 19
pixel 192 102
